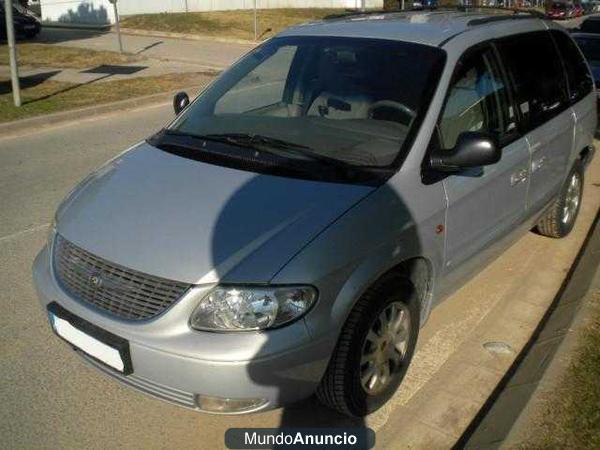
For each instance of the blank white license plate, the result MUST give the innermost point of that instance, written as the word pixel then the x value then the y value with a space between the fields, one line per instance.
pixel 86 343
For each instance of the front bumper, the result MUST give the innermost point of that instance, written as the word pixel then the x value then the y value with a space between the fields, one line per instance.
pixel 174 363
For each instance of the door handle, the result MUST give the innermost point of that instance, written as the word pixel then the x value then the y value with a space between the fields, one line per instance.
pixel 552 107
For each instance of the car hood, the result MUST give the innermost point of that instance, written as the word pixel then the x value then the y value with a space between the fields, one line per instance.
pixel 190 221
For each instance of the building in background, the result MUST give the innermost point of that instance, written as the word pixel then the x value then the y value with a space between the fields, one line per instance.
pixel 100 12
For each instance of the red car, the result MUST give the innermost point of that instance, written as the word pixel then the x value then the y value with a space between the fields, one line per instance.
pixel 561 11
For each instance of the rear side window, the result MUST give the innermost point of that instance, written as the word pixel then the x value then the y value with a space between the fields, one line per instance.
pixel 590 26
pixel 536 72
pixel 578 75
pixel 477 100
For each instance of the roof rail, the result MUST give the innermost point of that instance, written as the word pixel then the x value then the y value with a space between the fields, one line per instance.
pixel 361 12
pixel 463 8
pixel 515 12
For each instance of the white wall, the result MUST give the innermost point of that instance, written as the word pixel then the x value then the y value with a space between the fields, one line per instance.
pixel 101 11
pixel 81 12
pixel 153 6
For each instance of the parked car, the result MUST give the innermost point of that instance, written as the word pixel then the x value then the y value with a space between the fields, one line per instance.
pixel 291 230
pixel 561 11
pixel 589 44
pixel 425 4
pixel 590 25
pixel 26 23
pixel 579 10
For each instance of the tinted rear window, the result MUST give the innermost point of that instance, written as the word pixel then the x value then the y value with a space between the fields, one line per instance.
pixel 535 70
pixel 590 26
pixel 579 78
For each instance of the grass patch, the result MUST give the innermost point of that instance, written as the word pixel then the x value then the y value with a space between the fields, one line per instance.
pixel 52 96
pixel 237 24
pixel 63 57
pixel 570 418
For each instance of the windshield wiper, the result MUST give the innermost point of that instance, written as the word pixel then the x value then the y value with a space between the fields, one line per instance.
pixel 259 142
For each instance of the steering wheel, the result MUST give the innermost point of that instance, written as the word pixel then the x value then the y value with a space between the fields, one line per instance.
pixel 390 104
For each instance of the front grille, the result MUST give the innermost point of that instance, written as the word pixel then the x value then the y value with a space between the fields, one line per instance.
pixel 122 292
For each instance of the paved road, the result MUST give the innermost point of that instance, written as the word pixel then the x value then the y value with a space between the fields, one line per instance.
pixel 207 53
pixel 49 399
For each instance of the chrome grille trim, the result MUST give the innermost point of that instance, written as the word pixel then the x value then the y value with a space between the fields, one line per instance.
pixel 168 394
pixel 122 292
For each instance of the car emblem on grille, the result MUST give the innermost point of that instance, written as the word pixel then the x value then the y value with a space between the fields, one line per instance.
pixel 95 281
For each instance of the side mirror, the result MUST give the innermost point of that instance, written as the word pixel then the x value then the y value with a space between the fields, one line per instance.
pixel 472 149
pixel 180 102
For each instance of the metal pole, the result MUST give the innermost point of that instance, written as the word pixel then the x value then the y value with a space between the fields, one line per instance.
pixel 118 26
pixel 12 51
pixel 255 20
pixel 363 4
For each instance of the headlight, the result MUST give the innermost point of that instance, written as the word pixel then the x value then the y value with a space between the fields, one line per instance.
pixel 228 308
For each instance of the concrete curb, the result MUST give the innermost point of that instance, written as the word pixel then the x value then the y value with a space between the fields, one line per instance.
pixel 521 432
pixel 186 36
pixel 49 120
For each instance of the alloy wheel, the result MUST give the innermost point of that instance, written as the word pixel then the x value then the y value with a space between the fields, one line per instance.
pixel 385 347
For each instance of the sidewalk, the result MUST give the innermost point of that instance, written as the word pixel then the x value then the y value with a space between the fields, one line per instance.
pixel 551 380
pixel 509 414
pixel 103 73
pixel 207 53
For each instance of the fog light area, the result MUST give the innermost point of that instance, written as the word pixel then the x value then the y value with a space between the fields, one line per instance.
pixel 218 405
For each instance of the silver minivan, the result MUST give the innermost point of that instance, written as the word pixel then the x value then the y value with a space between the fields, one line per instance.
pixel 290 231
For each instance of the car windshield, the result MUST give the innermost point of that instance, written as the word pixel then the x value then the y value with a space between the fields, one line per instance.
pixel 591 49
pixel 348 100
pixel 559 6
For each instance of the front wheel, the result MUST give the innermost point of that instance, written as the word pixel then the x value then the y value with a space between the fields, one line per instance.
pixel 560 219
pixel 373 352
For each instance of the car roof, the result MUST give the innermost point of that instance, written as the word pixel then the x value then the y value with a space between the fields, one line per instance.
pixel 585 35
pixel 429 28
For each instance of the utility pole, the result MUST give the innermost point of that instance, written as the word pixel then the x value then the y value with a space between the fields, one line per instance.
pixel 255 20
pixel 12 50
pixel 117 24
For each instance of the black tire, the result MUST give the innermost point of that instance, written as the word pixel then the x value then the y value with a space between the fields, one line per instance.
pixel 341 387
pixel 552 223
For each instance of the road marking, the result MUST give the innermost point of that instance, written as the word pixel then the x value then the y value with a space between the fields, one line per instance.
pixel 23 232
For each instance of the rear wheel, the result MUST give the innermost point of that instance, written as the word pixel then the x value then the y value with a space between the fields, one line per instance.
pixel 374 350
pixel 560 218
